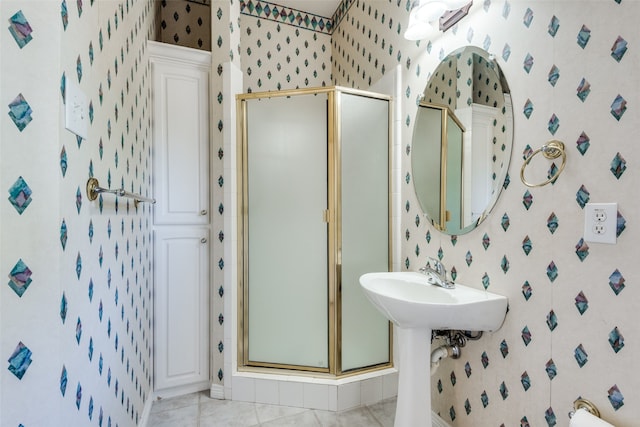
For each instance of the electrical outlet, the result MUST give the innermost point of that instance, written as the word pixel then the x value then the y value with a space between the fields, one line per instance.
pixel 600 215
pixel 600 222
pixel 599 229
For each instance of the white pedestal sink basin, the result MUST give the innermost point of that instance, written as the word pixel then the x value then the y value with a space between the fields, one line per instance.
pixel 417 307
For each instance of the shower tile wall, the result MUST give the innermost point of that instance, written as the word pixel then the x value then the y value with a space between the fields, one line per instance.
pixel 76 303
pixel 572 325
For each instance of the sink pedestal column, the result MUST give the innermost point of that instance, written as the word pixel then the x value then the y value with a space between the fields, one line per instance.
pixel 414 378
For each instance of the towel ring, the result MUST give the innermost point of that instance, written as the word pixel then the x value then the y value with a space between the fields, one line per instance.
pixel 585 404
pixel 551 150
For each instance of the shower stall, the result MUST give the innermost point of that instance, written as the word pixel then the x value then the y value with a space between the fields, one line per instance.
pixel 313 215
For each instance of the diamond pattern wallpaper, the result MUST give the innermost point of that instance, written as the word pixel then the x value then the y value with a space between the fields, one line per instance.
pixel 295 57
pixel 571 328
pixel 76 306
pixel 184 23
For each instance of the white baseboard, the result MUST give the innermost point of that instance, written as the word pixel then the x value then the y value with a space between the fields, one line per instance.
pixel 216 392
pixel 168 393
pixel 146 411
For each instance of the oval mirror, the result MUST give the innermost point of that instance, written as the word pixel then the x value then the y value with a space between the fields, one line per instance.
pixel 462 140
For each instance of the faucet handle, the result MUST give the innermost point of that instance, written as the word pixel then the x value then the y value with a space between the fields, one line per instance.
pixel 437 266
pixel 439 276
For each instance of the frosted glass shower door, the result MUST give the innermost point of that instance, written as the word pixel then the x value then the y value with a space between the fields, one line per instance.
pixel 454 187
pixel 364 149
pixel 287 243
pixel 426 155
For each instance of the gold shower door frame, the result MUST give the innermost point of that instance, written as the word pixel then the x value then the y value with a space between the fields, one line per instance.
pixel 332 216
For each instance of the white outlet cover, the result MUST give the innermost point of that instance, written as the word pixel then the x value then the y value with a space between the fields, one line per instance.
pixel 600 230
pixel 76 110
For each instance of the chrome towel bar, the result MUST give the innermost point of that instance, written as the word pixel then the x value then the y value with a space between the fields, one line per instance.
pixel 93 189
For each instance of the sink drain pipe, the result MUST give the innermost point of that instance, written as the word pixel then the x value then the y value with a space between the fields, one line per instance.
pixel 455 340
pixel 440 353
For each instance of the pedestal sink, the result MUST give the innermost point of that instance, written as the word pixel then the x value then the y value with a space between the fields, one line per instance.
pixel 416 308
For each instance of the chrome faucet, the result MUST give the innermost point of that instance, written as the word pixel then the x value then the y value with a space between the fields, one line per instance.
pixel 436 274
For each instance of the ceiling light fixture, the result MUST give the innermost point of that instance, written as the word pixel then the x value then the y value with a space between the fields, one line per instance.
pixel 424 14
pixel 456 4
pixel 418 30
pixel 429 10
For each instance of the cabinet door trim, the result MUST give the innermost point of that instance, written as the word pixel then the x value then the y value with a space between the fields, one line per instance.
pixel 181 306
pixel 181 135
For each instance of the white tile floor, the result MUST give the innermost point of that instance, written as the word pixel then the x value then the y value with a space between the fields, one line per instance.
pixel 198 410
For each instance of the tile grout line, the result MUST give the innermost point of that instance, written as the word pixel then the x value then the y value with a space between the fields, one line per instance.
pixel 368 409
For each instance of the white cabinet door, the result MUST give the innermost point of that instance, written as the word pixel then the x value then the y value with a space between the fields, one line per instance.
pixel 181 140
pixel 181 217
pixel 181 307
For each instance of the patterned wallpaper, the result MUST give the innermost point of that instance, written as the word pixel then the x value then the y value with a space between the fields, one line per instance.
pixel 76 305
pixel 184 23
pixel 571 329
pixel 279 53
pixel 85 271
pixel 226 71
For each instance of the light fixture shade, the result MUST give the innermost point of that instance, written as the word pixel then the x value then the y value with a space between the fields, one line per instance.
pixel 429 10
pixel 418 30
pixel 455 4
